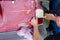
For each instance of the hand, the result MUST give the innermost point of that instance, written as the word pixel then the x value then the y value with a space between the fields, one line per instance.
pixel 50 17
pixel 34 22
pixel 58 21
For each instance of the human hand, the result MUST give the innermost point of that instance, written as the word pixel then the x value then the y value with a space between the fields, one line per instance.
pixel 34 22
pixel 50 17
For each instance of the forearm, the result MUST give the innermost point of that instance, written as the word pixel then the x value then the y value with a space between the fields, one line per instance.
pixel 36 34
pixel 54 19
pixel 50 17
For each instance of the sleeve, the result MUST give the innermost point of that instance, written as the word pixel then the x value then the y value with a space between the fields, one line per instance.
pixel 56 10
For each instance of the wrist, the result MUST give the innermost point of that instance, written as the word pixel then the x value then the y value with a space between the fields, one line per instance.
pixel 54 19
pixel 35 27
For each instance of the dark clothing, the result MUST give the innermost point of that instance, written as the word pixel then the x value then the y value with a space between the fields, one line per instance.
pixel 53 3
pixel 56 29
pixel 56 10
pixel 53 37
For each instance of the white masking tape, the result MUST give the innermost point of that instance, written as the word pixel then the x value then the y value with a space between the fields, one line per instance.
pixel 39 13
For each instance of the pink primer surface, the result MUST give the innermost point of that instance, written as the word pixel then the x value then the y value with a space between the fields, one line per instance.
pixel 21 11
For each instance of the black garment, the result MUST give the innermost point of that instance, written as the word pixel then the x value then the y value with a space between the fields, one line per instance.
pixel 56 10
pixel 53 37
pixel 53 3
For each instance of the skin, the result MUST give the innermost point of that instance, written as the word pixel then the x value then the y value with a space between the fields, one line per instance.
pixel 58 21
pixel 54 18
pixel 35 26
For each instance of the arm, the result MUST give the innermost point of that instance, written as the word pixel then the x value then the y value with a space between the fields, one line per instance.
pixel 35 29
pixel 50 17
pixel 53 18
pixel 36 33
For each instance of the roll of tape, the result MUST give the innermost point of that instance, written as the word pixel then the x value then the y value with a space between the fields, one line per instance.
pixel 39 13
